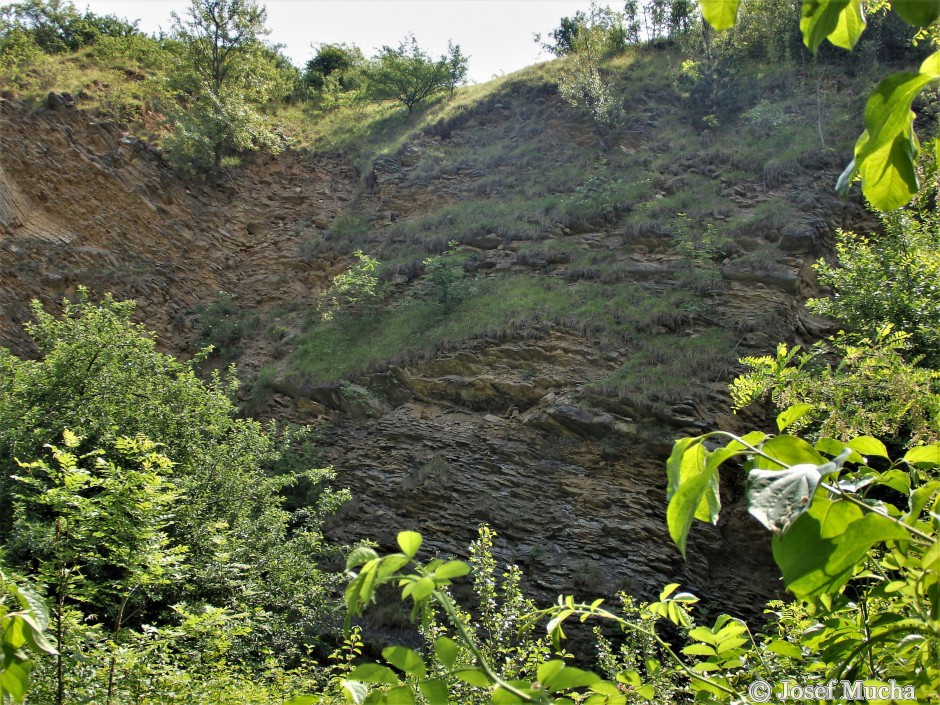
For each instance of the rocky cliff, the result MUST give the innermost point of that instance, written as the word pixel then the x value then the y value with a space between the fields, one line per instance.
pixel 520 427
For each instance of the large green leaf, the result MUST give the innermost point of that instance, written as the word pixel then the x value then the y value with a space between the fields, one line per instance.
pixel 889 175
pixel 32 603
pixel 886 151
pixel 450 570
pixel 924 456
pixel 405 660
pixel 359 556
pixel 776 498
pixel 787 450
pixel 868 445
pixel 850 26
pixel 674 463
pixel 410 542
pixel 13 681
pixel 361 590
pixel 694 485
pixel 919 499
pixel 374 673
pixel 447 651
pixel 435 691
pixel 35 637
pixel 14 636
pixel 919 13
pixel 568 678
pixel 792 414
pixel 720 14
pixel 804 550
pixel 549 669
pixel 784 648
pixel 418 589
pixel 390 564
pixel 820 18
pixel 474 677
pixel 399 696
pixel 833 447
pixel 820 551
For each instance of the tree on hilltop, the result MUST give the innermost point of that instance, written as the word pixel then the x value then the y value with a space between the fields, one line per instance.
pixel 225 67
pixel 409 75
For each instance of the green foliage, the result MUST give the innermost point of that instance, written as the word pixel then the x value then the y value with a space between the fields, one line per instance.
pixel 865 567
pixel 100 376
pixel 223 324
pixel 505 633
pixel 18 49
pixel 447 278
pixel 638 654
pixel 767 115
pixel 604 195
pixel 225 69
pixel 589 40
pixel 358 290
pixel 766 30
pixel 23 622
pixel 57 26
pixel 409 75
pixel 218 35
pixel 586 89
pixel 600 28
pixel 435 681
pixel 703 249
pixel 338 60
pixel 334 75
pixel 891 279
pixel 213 125
pixel 86 523
pixel 93 531
pixel 499 660
pixel 886 152
pixel 854 386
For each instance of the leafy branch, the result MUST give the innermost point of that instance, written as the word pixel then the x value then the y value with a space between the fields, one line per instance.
pixel 886 152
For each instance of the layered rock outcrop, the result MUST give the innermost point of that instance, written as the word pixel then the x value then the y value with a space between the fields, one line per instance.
pixel 513 431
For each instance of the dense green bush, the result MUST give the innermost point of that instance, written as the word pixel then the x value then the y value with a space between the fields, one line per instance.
pixel 225 74
pixel 890 278
pixel 340 61
pixel 57 26
pixel 234 545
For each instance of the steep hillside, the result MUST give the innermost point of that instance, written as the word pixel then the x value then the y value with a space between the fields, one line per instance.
pixel 606 283
pixel 84 203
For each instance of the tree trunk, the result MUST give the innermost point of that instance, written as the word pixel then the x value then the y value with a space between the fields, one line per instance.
pixel 117 628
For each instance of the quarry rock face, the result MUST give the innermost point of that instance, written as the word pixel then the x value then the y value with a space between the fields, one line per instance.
pixel 508 430
pixel 84 203
pixel 576 494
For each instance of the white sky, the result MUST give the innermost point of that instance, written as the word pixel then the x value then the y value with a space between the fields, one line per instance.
pixel 495 34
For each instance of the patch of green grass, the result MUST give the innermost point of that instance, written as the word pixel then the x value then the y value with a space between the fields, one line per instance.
pixel 370 129
pixel 657 368
pixel 116 77
pixel 509 306
pixel 509 218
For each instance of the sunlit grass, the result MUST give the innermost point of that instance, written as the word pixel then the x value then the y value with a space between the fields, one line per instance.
pixel 508 306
